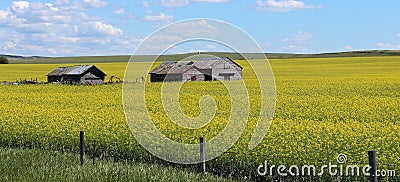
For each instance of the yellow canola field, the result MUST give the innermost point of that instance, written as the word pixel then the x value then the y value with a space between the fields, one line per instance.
pixel 325 107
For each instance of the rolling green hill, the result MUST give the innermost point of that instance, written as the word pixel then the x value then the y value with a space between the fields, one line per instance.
pixel 177 57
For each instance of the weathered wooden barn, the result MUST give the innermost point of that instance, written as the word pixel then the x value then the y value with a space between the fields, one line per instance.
pixel 201 70
pixel 176 71
pixel 219 69
pixel 87 74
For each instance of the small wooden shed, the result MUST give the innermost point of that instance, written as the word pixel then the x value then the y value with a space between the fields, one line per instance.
pixel 85 74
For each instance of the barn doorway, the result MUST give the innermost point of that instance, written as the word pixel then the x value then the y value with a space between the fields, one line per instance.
pixel 207 77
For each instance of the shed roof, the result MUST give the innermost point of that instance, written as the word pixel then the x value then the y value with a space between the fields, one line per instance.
pixel 183 66
pixel 72 70
pixel 209 63
pixel 172 67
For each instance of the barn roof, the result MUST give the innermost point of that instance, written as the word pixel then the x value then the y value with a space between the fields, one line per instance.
pixel 72 70
pixel 183 66
pixel 209 63
pixel 172 67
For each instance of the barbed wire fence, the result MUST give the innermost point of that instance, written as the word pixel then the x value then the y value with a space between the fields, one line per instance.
pixel 232 164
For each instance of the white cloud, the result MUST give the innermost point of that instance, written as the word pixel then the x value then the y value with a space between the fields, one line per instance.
pixel 104 29
pixel 297 42
pixel 348 48
pixel 294 48
pixel 96 3
pixel 177 3
pixel 283 5
pixel 60 2
pixel 19 6
pixel 145 4
pixel 211 1
pixel 384 45
pixel 51 6
pixel 193 28
pixel 398 35
pixel 35 28
pixel 161 17
pixel 9 45
pixel 3 14
pixel 174 3
pixel 197 46
pixel 298 38
pixel 37 17
pixel 177 32
pixel 119 11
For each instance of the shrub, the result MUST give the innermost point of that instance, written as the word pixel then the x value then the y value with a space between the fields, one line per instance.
pixel 3 60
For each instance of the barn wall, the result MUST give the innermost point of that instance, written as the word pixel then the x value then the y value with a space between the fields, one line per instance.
pixel 96 72
pixel 193 72
pixel 156 78
pixel 165 78
pixel 52 79
pixel 173 77
pixel 227 68
pixel 198 77
pixel 71 78
pixel 90 78
pixel 239 74
pixel 206 74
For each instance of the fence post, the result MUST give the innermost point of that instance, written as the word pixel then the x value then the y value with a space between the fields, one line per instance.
pixel 82 146
pixel 373 163
pixel 94 150
pixel 202 156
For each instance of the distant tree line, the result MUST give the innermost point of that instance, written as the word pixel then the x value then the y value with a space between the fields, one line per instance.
pixel 3 60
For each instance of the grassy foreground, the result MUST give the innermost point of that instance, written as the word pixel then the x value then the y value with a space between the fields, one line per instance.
pixel 41 165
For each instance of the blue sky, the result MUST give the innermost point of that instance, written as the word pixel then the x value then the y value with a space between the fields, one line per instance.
pixel 105 27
